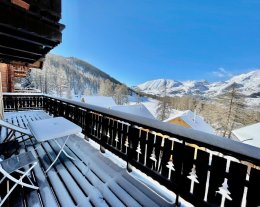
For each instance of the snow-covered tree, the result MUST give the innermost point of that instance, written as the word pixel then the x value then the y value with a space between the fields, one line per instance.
pixel 164 106
pixel 121 94
pixel 106 88
pixel 234 102
pixel 138 95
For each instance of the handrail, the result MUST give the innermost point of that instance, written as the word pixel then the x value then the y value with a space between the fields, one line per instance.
pixel 193 164
pixel 229 146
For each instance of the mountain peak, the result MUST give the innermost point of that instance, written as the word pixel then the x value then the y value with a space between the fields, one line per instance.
pixel 248 84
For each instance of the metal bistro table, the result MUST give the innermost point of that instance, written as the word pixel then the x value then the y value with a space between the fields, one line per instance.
pixel 51 129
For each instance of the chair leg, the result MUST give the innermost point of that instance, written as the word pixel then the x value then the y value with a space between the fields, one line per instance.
pixel 22 172
pixel 2 179
pixel 17 182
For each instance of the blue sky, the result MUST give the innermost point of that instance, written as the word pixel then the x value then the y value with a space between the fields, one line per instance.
pixel 139 40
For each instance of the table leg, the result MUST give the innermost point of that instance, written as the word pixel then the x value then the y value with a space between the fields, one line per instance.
pixel 61 150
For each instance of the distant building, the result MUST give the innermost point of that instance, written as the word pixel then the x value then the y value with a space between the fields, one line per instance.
pixel 190 119
pixel 102 101
pixel 137 109
pixel 248 134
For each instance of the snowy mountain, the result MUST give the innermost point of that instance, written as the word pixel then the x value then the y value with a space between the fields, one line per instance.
pixel 248 84
pixel 66 73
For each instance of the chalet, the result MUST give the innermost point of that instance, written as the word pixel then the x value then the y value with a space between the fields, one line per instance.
pixel 189 119
pixel 248 134
pixel 136 109
pixel 102 101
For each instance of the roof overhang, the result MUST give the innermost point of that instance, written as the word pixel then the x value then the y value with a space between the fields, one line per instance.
pixel 29 30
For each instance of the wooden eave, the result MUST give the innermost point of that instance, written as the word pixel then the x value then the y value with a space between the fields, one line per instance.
pixel 26 36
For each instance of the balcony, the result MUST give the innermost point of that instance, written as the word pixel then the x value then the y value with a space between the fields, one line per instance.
pixel 202 169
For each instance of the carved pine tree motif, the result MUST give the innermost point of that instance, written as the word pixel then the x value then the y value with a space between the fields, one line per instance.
pixel 153 157
pixel 138 150
pixel 193 177
pixel 126 143
pixel 116 139
pixel 223 190
pixel 171 168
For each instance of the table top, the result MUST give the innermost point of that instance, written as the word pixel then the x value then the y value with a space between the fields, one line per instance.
pixel 52 128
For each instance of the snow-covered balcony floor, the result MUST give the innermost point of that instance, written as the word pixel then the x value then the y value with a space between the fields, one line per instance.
pixel 93 179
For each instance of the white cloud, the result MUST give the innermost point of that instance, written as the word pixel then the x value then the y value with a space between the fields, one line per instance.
pixel 222 73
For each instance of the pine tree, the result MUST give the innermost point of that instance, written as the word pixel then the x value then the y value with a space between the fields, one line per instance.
pixel 138 95
pixel 234 102
pixel 106 88
pixel 121 94
pixel 164 106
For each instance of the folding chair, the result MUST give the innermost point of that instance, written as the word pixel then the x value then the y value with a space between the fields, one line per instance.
pixel 12 129
pixel 14 164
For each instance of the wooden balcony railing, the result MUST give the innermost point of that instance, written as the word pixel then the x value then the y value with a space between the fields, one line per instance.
pixel 204 169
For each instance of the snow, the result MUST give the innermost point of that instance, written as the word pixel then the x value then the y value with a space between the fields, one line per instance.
pixel 253 102
pixel 102 101
pixel 153 185
pixel 196 122
pixel 249 134
pixel 24 94
pixel 151 105
pixel 137 109
pixel 57 127
pixel 248 84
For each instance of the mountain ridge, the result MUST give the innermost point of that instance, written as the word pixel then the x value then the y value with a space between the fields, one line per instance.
pixel 246 83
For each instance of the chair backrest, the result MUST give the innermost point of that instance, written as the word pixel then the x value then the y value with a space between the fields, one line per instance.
pixel 15 128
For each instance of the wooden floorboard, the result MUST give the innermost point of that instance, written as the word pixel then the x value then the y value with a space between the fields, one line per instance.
pixel 90 180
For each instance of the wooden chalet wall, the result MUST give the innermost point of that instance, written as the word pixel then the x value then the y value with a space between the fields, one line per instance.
pixel 180 122
pixel 9 73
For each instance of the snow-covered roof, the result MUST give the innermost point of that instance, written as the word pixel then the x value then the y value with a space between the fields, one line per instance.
pixel 249 134
pixel 137 109
pixel 193 120
pixel 102 101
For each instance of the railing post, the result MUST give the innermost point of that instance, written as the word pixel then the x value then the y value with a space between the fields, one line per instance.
pixel 130 151
pixel 103 134
pixel 180 175
pixel 88 121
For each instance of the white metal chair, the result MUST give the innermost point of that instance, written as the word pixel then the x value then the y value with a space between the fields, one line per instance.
pixel 12 129
pixel 14 164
